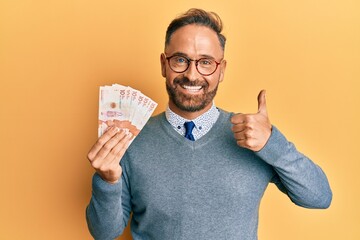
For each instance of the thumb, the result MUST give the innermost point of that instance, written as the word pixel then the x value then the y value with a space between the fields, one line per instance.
pixel 262 102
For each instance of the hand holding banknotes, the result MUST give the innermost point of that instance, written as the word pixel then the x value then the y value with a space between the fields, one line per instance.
pixel 252 131
pixel 106 153
pixel 123 112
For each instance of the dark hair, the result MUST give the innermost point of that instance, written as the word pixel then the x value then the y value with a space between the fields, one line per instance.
pixel 198 17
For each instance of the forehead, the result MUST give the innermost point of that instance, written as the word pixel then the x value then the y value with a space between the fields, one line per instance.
pixel 195 40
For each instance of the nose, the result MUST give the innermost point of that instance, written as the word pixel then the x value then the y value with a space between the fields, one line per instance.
pixel 192 73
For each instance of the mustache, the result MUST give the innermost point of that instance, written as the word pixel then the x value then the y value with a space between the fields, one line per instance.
pixel 186 81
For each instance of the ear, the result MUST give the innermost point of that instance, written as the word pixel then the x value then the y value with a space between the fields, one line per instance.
pixel 163 65
pixel 222 70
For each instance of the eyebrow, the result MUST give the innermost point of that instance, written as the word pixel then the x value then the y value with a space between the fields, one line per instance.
pixel 187 56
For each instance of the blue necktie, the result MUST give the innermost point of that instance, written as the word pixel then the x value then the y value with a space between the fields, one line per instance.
pixel 189 126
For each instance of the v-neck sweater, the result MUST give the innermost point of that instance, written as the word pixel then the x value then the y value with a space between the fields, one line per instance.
pixel 205 189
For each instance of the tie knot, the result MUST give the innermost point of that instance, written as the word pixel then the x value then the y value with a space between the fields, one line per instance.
pixel 189 126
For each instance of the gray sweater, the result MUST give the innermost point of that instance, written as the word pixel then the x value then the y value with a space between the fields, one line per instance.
pixel 208 189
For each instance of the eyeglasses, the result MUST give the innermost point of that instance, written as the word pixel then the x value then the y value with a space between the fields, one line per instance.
pixel 205 66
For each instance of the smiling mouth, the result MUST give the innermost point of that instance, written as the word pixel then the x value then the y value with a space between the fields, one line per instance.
pixel 192 88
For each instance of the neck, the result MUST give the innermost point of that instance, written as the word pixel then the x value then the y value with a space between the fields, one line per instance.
pixel 187 114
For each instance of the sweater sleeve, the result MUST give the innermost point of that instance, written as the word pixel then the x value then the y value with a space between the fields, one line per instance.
pixel 302 180
pixel 109 209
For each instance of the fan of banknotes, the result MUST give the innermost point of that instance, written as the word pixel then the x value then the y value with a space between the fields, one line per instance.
pixel 127 108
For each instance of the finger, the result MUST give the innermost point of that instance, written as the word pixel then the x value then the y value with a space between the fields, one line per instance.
pixel 245 122
pixel 119 149
pixel 262 102
pixel 105 155
pixel 238 118
pixel 246 143
pixel 111 131
pixel 238 128
pixel 245 134
pixel 110 144
pixel 110 166
pixel 242 143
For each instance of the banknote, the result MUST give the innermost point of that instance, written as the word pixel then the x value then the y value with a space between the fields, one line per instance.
pixel 127 108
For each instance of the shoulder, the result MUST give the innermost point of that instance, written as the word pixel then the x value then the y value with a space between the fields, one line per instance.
pixel 225 113
pixel 224 117
pixel 155 122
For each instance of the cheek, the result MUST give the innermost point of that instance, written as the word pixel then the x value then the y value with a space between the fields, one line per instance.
pixel 213 82
pixel 170 79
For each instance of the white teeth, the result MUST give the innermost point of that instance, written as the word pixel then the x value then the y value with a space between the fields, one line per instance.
pixel 192 88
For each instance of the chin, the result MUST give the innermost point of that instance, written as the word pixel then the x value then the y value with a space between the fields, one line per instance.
pixel 191 108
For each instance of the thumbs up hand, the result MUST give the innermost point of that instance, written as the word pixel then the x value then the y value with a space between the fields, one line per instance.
pixel 252 131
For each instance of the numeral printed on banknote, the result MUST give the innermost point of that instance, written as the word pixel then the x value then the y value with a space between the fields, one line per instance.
pixel 127 108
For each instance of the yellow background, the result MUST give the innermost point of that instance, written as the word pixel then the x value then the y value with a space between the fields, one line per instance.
pixel 54 55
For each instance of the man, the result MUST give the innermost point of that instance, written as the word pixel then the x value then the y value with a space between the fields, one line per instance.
pixel 196 171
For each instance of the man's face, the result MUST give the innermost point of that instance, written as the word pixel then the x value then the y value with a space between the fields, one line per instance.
pixel 190 91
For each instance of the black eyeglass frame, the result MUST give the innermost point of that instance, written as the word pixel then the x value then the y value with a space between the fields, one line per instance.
pixel 189 60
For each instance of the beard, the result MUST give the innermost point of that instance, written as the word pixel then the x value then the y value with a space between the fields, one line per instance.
pixel 189 102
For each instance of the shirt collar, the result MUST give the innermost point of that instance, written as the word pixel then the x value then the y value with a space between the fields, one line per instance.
pixel 203 123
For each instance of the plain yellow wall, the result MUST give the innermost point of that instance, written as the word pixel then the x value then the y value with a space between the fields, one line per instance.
pixel 55 54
